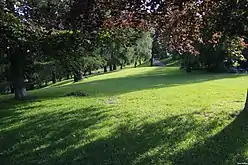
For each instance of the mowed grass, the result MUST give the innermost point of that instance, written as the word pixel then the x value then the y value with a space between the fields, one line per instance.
pixel 134 116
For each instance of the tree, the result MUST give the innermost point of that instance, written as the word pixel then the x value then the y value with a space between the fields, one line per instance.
pixel 17 45
pixel 114 43
pixel 143 47
pixel 182 26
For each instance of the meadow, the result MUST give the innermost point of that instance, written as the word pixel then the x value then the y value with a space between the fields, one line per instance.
pixel 144 115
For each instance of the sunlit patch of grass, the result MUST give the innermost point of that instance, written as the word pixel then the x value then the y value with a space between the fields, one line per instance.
pixel 134 116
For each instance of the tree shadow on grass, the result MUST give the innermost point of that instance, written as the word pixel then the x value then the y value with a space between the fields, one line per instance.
pixel 70 137
pixel 10 107
pixel 67 138
pixel 40 139
pixel 133 146
pixel 159 143
pixel 74 137
pixel 229 146
pixel 158 78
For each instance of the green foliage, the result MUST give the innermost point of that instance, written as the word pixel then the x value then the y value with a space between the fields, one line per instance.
pixel 235 49
pixel 85 35
pixel 144 46
pixel 125 45
pixel 18 46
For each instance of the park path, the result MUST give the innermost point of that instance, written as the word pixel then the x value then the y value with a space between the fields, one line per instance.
pixel 158 63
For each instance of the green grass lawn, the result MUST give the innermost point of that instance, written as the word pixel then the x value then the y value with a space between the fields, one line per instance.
pixel 135 116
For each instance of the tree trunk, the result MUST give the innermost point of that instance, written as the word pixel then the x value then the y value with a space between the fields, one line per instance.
pixel 246 103
pixel 110 68
pixel 54 77
pixel 151 60
pixel 54 74
pixel 12 89
pixel 121 66
pixel 20 92
pixel 19 86
pixel 90 73
pixel 135 64
pixel 17 72
pixel 78 76
pixel 114 67
pixel 105 69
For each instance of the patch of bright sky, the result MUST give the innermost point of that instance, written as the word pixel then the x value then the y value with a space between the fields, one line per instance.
pixel 148 7
pixel 21 9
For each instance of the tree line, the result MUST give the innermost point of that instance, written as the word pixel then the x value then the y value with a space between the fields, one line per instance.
pixel 51 40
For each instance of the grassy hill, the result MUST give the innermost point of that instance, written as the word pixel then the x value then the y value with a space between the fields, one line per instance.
pixel 145 115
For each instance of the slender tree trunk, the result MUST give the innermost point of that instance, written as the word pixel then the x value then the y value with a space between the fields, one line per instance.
pixel 12 89
pixel 135 64
pixel 114 67
pixel 121 66
pixel 110 68
pixel 152 60
pixel 90 72
pixel 246 103
pixel 39 82
pixel 105 68
pixel 54 78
